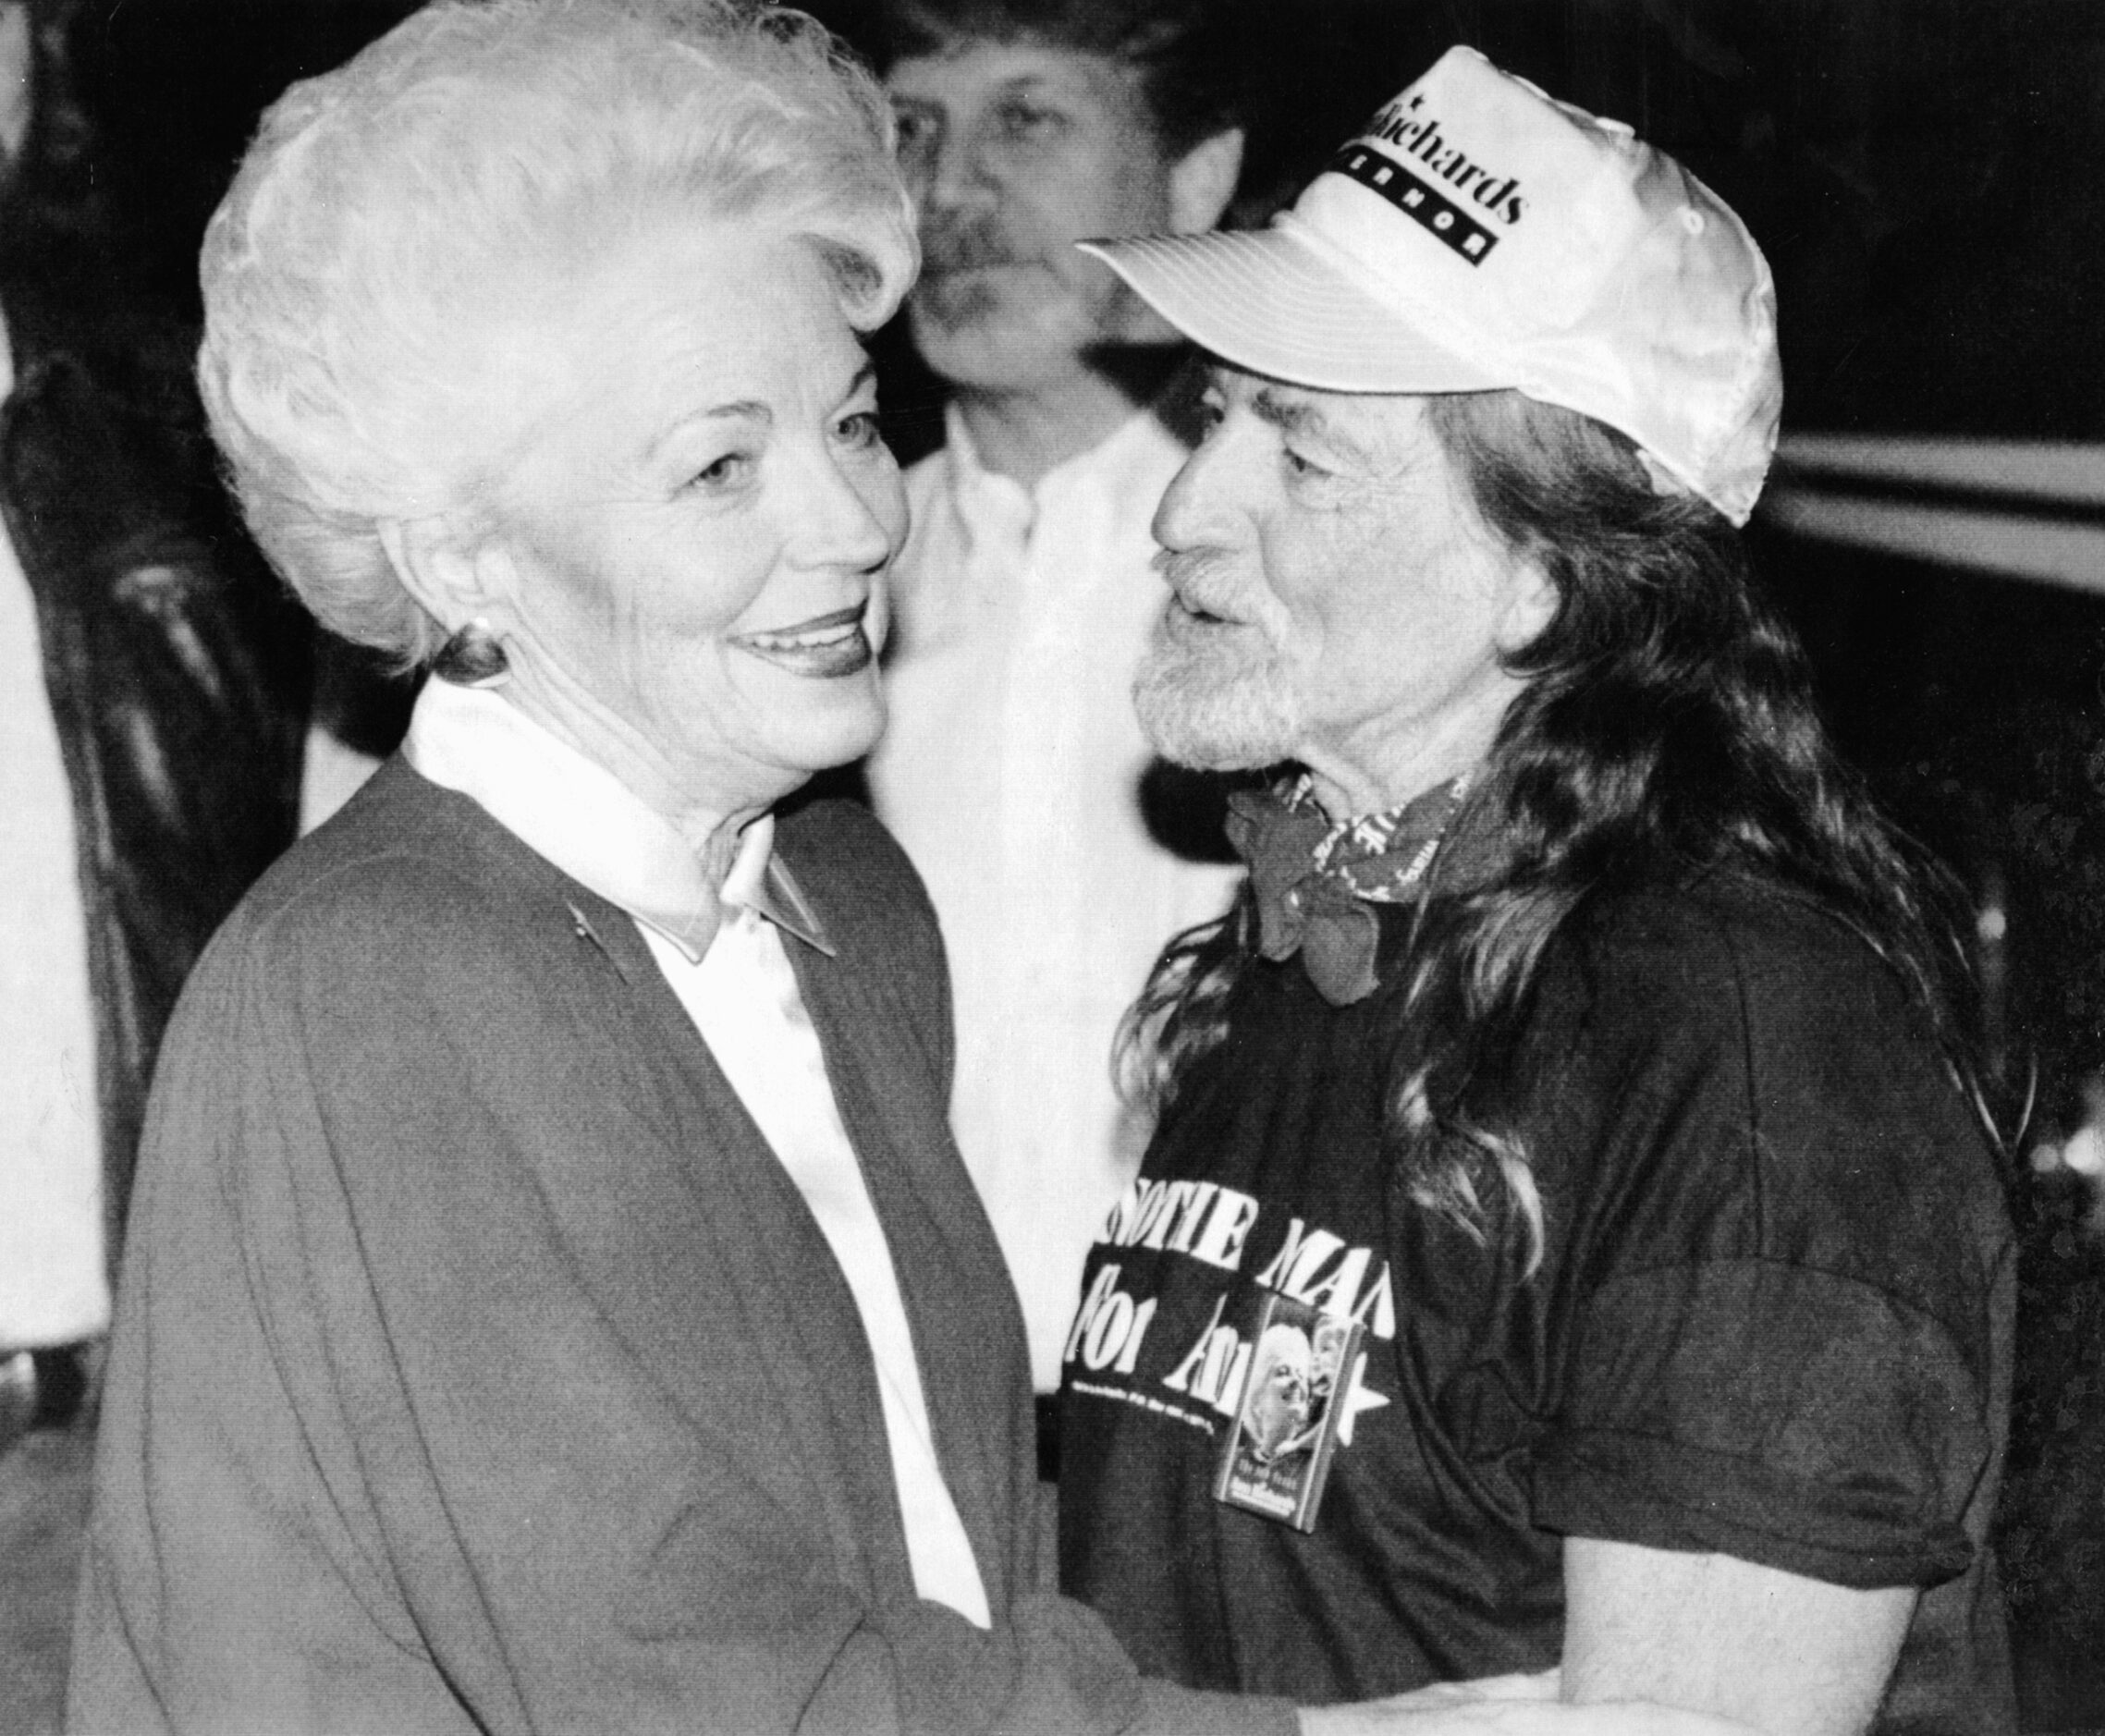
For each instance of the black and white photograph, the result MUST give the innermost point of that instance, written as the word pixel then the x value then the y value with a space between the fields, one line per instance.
pixel 1072 867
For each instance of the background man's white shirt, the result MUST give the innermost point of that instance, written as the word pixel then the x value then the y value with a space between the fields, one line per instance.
pixel 1010 771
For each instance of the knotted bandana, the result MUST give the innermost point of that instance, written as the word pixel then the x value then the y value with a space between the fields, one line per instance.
pixel 1314 879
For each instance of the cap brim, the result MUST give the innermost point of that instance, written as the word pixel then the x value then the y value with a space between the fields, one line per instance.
pixel 1266 301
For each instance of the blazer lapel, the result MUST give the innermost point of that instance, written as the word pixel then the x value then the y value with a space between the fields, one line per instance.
pixel 942 1250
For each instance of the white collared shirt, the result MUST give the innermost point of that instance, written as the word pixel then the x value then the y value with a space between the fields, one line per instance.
pixel 1010 772
pixel 735 981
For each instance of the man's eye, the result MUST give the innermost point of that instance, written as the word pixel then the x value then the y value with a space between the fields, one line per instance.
pixel 919 136
pixel 1027 123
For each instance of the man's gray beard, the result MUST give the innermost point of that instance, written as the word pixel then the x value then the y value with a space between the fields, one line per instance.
pixel 1215 718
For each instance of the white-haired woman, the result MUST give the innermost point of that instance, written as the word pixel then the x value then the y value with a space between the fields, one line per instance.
pixel 554 1302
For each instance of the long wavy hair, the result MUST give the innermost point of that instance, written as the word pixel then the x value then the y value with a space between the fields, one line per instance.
pixel 1666 726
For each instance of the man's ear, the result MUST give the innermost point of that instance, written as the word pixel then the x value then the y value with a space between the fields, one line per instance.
pixel 1203 180
pixel 456 577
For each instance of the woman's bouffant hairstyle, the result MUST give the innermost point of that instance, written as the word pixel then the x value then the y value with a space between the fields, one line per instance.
pixel 397 220
pixel 1667 726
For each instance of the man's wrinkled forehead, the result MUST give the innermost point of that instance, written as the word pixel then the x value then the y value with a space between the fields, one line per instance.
pixel 1348 424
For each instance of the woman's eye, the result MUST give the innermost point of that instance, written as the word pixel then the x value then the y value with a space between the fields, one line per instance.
pixel 859 430
pixel 1298 466
pixel 725 472
pixel 1213 412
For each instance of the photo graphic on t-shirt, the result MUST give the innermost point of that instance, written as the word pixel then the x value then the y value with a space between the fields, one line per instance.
pixel 1277 1454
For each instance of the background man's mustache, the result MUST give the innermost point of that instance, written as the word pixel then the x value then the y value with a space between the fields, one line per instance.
pixel 968 246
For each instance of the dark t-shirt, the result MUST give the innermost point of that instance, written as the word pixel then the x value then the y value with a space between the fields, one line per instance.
pixel 1771 1320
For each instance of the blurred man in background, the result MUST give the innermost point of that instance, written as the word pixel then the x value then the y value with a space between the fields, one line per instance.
pixel 1013 769
pixel 149 720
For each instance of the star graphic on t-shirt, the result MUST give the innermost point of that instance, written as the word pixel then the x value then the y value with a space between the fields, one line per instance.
pixel 1358 1398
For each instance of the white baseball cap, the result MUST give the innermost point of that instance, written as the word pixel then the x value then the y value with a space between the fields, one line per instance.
pixel 1479 235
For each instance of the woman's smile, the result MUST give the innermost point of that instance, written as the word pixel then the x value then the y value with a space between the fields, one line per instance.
pixel 825 647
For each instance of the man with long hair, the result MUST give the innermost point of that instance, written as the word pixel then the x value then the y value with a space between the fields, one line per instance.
pixel 1584 1045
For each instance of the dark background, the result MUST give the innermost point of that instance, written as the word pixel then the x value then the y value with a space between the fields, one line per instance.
pixel 1923 175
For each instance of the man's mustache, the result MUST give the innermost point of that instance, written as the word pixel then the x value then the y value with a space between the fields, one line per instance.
pixel 1201 577
pixel 949 244
pixel 1183 570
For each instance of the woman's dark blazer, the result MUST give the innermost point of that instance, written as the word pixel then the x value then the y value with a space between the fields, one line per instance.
pixel 478 1368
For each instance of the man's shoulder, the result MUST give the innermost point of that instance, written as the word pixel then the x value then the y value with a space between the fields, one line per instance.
pixel 1728 939
pixel 1733 1048
pixel 1738 989
pixel 1764 1003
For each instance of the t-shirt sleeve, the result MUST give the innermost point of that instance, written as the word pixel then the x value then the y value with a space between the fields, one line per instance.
pixel 1787 1417
pixel 1790 1278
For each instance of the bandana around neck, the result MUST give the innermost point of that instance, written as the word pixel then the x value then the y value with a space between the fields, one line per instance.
pixel 1314 877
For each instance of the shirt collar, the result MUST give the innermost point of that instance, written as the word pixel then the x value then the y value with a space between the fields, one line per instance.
pixel 593 827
